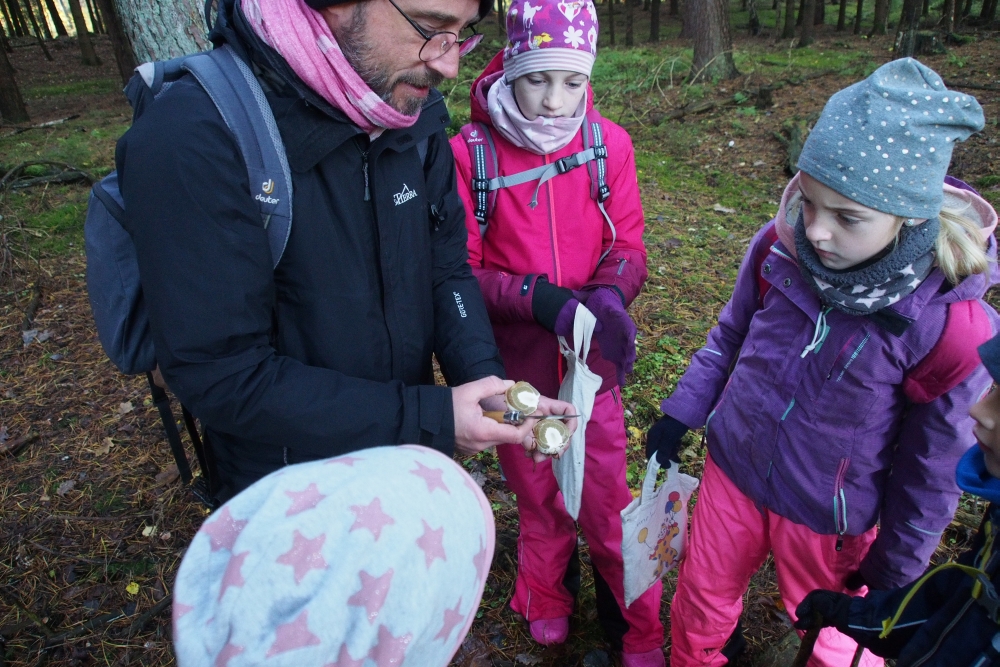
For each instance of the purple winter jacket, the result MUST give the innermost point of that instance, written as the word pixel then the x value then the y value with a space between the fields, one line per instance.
pixel 829 438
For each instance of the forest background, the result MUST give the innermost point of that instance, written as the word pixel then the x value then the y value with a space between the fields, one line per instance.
pixel 718 95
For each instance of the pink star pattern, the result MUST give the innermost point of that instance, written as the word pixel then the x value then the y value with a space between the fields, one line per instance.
pixel 304 555
pixel 181 609
pixel 452 617
pixel 344 659
pixel 479 560
pixel 228 652
pixel 344 460
pixel 372 593
pixel 290 636
pixel 372 517
pixel 433 477
pixel 224 530
pixel 431 542
pixel 390 650
pixel 232 576
pixel 304 500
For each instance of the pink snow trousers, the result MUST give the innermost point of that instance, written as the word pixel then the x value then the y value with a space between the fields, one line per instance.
pixel 548 534
pixel 730 539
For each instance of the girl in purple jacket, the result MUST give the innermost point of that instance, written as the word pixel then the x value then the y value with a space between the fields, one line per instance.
pixel 835 389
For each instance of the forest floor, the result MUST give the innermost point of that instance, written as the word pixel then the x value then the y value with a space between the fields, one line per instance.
pixel 93 522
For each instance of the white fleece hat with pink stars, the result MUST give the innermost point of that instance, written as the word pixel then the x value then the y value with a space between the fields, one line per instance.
pixel 371 559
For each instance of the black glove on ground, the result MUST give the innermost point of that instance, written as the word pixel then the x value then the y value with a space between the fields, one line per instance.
pixel 830 608
pixel 664 440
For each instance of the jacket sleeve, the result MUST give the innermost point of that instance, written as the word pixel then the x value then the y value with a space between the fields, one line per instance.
pixel 921 494
pixel 208 285
pixel 463 335
pixel 624 269
pixel 507 296
pixel 699 389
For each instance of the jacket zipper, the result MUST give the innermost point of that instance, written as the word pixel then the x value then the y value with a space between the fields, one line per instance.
pixel 364 169
pixel 840 503
pixel 621 265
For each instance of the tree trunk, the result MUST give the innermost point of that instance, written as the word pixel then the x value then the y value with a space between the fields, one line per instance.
pixel 654 20
pixel 12 108
pixel 56 19
pixel 7 27
pixel 819 16
pixel 675 9
pixel 686 20
pixel 163 29
pixel 713 45
pixel 755 25
pixel 37 31
pixel 629 22
pixel 808 11
pixel 501 17
pixel 124 57
pixel 87 53
pixel 988 12
pixel 21 24
pixel 857 17
pixel 95 18
pixel 927 8
pixel 881 17
pixel 611 22
pixel 967 9
pixel 842 16
pixel 789 30
pixel 906 32
pixel 948 16
pixel 40 14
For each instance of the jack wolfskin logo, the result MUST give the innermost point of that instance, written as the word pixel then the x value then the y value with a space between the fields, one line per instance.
pixel 404 196
pixel 267 187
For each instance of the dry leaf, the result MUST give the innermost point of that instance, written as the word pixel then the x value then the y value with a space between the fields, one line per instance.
pixel 722 209
pixel 104 447
pixel 132 588
pixel 149 531
pixel 525 659
pixel 125 408
pixel 45 497
pixel 167 476
pixel 165 535
pixel 66 487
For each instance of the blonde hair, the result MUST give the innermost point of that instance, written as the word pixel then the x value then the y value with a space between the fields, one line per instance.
pixel 960 248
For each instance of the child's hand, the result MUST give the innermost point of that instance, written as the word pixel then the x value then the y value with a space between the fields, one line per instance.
pixel 824 609
pixel 615 331
pixel 664 440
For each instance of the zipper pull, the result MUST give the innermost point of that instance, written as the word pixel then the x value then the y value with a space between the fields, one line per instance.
pixel 840 542
pixel 364 166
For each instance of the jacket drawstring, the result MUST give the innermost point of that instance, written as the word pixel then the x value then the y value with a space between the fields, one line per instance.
pixel 819 334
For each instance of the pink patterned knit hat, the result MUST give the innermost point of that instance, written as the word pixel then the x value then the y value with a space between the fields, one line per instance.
pixel 550 35
pixel 375 558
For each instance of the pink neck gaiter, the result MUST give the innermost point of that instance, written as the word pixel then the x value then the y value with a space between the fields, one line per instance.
pixel 540 136
pixel 302 37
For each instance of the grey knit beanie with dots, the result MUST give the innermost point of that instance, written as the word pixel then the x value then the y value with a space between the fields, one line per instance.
pixel 886 142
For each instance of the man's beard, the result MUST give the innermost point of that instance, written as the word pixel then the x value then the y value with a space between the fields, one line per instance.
pixel 361 56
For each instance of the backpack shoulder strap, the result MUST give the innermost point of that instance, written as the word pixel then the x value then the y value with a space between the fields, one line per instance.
pixel 954 356
pixel 760 253
pixel 483 157
pixel 241 102
pixel 593 137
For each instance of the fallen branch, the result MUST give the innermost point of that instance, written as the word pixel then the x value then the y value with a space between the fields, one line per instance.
pixel 62 177
pixel 40 126
pixel 12 447
pixel 139 623
pixel 32 309
pixel 11 176
pixel 970 86
pixel 79 559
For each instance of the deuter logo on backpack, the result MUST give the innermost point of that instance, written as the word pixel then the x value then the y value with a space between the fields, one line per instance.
pixel 405 195
pixel 267 187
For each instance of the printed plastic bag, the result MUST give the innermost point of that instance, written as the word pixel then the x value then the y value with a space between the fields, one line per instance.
pixel 579 387
pixel 654 528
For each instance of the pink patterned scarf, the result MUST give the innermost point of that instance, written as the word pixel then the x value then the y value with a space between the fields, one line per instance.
pixel 540 136
pixel 302 37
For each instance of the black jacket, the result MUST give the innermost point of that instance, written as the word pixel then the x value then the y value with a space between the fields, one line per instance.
pixel 331 351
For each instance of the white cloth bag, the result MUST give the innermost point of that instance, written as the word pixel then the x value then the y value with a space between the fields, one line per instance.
pixel 578 387
pixel 654 528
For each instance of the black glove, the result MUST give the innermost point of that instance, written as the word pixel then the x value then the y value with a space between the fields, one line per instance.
pixel 546 302
pixel 855 580
pixel 823 608
pixel 664 440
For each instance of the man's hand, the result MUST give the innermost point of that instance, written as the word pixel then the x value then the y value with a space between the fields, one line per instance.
pixel 474 432
pixel 824 609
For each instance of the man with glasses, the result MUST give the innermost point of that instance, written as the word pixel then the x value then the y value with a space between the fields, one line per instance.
pixel 331 350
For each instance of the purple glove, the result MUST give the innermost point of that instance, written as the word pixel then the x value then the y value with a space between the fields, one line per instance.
pixel 615 330
pixel 565 319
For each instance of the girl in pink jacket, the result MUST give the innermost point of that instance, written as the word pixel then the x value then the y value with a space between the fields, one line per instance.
pixel 569 234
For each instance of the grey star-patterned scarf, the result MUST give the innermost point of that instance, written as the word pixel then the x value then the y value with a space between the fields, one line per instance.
pixel 873 286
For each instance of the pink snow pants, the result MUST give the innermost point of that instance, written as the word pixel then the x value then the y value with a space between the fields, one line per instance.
pixel 548 533
pixel 730 539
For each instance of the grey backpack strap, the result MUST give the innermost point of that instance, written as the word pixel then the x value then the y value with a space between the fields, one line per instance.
pixel 241 102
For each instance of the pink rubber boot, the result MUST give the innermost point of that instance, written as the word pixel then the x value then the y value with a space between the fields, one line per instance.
pixel 548 631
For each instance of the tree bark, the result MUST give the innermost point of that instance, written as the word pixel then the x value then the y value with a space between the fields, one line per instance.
pixel 87 53
pixel 713 44
pixel 37 31
pixel 755 24
pixel 808 11
pixel 857 17
pixel 95 18
pixel 906 32
pixel 948 16
pixel 40 14
pixel 789 31
pixel 611 22
pixel 842 16
pixel 967 9
pixel 675 9
pixel 654 20
pixel 163 29
pixel 21 24
pixel 56 19
pixel 12 108
pixel 501 17
pixel 988 12
pixel 881 17
pixel 122 48
pixel 629 22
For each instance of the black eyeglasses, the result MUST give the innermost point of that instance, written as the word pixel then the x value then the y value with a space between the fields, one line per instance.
pixel 439 43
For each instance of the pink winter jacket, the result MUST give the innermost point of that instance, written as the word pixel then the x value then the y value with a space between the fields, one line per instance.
pixel 561 239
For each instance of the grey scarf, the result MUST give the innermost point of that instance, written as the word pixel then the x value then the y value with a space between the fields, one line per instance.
pixel 873 286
